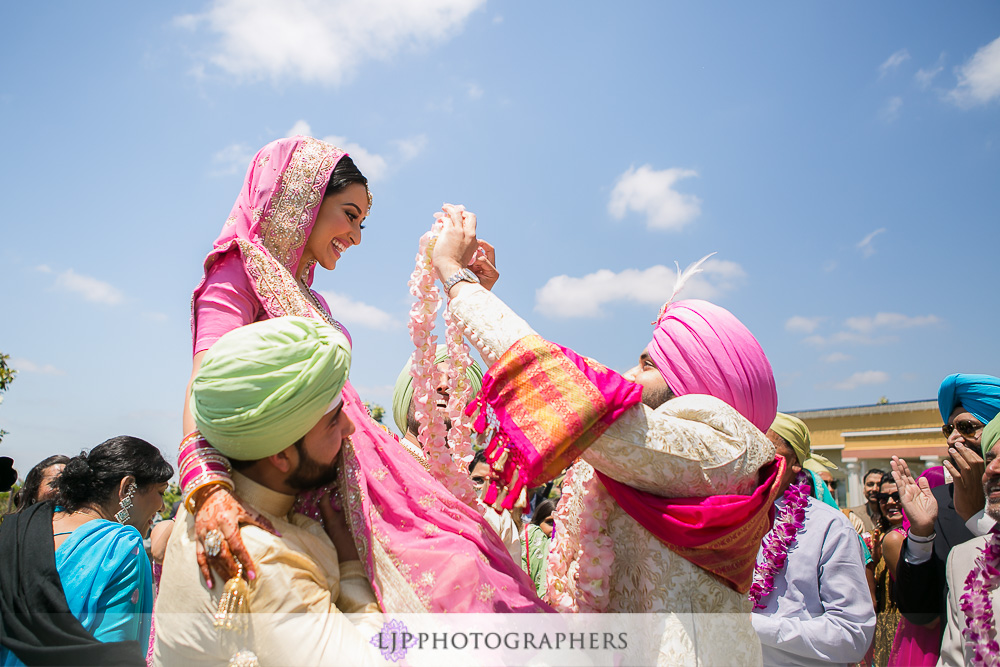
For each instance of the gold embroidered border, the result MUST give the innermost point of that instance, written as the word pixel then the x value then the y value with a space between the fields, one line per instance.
pixel 293 205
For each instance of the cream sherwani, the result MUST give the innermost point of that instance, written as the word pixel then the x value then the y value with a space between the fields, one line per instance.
pixel 298 602
pixel 691 446
pixel 961 560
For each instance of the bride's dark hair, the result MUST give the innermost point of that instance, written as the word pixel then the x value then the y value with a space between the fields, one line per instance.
pixel 344 174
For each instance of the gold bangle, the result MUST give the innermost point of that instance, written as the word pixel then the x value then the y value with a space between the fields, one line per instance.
pixel 200 483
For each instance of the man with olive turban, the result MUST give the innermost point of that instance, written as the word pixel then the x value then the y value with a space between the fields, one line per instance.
pixel 673 479
pixel 820 609
pixel 267 396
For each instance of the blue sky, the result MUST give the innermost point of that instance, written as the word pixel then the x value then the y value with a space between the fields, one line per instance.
pixel 841 159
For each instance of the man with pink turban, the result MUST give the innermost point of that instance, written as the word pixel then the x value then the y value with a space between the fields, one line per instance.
pixel 665 507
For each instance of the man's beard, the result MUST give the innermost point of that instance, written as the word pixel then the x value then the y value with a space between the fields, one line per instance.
pixel 311 474
pixel 654 398
pixel 413 426
pixel 992 506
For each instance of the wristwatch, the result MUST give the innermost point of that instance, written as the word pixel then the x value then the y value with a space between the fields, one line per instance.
pixel 459 276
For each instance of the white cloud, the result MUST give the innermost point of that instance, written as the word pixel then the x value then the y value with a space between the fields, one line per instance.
pixel 154 316
pixel 865 244
pixel 893 61
pixel 475 92
pixel 800 324
pixel 26 366
pixel 564 296
pixel 868 324
pixel 91 289
pixel 353 312
pixel 412 147
pixel 232 159
pixel 372 165
pixel 926 75
pixel 835 357
pixel 861 379
pixel 890 112
pixel 979 79
pixel 300 127
pixel 322 41
pixel 650 192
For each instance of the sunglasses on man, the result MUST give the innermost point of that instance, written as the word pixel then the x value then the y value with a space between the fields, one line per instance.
pixel 965 427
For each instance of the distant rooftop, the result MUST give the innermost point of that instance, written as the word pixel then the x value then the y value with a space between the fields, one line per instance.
pixel 874 409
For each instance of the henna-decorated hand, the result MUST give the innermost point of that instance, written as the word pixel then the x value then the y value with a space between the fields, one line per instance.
pixel 484 265
pixel 217 508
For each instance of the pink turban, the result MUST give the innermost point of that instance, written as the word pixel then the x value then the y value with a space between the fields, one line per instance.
pixel 700 348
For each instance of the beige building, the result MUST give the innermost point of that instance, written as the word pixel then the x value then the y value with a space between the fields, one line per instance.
pixel 860 438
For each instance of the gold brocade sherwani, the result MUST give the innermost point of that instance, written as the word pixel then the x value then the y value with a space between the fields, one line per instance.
pixel 298 603
pixel 691 446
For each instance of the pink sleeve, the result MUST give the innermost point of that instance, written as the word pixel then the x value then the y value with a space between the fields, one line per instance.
pixel 226 302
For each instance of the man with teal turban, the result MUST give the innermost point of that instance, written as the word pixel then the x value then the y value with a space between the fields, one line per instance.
pixel 267 396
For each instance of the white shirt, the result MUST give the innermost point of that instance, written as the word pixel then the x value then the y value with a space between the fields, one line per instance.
pixel 820 611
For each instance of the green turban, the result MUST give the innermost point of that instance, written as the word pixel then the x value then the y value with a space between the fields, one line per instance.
pixel 990 436
pixel 265 385
pixel 402 393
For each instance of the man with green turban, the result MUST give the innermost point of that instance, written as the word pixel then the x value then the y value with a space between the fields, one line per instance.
pixel 267 396
pixel 404 414
pixel 955 650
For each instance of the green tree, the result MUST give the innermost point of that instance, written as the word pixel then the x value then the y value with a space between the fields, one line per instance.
pixel 172 495
pixel 7 375
pixel 376 411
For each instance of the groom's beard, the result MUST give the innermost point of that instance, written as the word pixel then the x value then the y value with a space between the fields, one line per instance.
pixel 311 474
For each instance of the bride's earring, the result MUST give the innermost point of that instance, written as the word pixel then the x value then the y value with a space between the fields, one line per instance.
pixel 126 504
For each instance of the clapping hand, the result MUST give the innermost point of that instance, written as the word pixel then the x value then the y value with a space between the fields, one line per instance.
pixel 918 502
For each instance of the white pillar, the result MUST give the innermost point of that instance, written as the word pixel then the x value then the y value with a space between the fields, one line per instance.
pixel 855 490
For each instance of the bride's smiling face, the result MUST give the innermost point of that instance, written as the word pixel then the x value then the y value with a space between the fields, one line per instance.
pixel 338 227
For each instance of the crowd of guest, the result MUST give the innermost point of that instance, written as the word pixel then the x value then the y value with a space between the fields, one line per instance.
pixel 674 488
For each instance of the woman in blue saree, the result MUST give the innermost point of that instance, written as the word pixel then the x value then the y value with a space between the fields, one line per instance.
pixel 75 581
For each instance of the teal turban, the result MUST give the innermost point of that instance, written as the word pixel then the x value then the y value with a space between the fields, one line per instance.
pixel 402 393
pixel 265 385
pixel 990 436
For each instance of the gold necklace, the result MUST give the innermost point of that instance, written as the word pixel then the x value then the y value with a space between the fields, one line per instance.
pixel 317 305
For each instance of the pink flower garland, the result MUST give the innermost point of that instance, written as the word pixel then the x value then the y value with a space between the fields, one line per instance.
pixel 447 454
pixel 790 520
pixel 980 630
pixel 583 565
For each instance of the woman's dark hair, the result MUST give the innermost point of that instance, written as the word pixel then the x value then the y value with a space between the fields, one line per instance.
pixel 543 511
pixel 93 477
pixel 345 173
pixel 27 495
pixel 480 457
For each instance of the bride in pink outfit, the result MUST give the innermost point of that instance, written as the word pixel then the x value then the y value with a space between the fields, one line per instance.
pixel 303 203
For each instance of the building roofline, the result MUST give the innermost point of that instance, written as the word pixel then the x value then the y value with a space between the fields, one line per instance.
pixel 875 409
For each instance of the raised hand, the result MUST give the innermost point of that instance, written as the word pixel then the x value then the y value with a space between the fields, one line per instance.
pixel 456 244
pixel 967 467
pixel 484 265
pixel 218 509
pixel 918 502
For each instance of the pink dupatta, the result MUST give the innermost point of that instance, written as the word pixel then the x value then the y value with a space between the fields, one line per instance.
pixel 424 550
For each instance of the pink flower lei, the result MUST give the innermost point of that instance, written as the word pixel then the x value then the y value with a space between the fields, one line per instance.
pixel 790 519
pixel 448 452
pixel 583 564
pixel 980 631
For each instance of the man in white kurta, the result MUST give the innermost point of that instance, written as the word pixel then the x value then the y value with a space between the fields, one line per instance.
pixel 820 611
pixel 275 383
pixel 690 446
